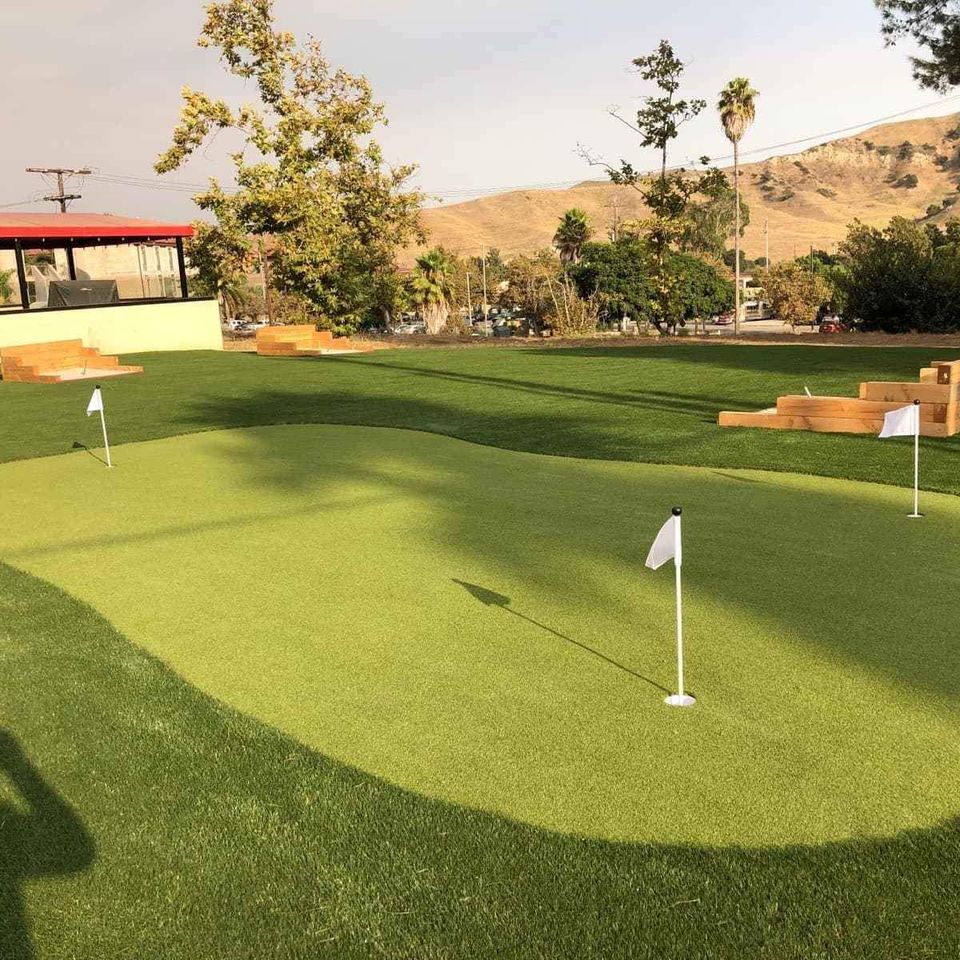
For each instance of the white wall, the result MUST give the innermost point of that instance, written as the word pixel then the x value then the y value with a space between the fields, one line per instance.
pixel 129 328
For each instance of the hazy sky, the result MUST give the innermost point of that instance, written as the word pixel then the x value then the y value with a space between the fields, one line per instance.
pixel 479 94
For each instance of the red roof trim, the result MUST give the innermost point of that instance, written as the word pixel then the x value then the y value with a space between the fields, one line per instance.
pixel 85 226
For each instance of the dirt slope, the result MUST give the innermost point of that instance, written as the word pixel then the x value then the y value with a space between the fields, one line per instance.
pixel 808 198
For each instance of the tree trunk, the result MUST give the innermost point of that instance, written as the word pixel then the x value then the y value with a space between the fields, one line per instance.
pixel 736 237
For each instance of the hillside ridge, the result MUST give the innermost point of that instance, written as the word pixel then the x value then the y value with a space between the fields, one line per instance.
pixel 808 198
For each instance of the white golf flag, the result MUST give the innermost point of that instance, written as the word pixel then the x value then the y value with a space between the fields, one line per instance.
pixel 903 422
pixel 96 402
pixel 666 546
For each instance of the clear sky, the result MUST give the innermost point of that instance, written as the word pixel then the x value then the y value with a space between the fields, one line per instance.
pixel 480 94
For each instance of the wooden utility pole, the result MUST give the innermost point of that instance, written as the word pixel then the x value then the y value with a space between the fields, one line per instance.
pixel 615 228
pixel 61 197
pixel 486 308
pixel 766 242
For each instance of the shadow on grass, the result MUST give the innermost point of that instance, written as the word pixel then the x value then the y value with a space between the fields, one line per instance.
pixel 40 836
pixel 492 599
pixel 194 799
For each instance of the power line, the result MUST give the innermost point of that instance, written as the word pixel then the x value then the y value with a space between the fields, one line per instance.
pixel 456 193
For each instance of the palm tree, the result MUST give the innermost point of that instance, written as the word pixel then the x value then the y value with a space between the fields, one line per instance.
pixel 430 288
pixel 737 112
pixel 574 231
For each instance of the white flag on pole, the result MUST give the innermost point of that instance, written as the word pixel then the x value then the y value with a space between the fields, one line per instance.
pixel 96 406
pixel 96 402
pixel 666 546
pixel 902 422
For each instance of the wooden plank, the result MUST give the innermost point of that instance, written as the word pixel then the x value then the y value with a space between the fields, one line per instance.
pixel 928 375
pixel 775 421
pixel 905 392
pixel 851 407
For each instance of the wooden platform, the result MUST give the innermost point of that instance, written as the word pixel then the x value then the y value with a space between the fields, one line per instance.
pixel 937 389
pixel 306 341
pixel 57 361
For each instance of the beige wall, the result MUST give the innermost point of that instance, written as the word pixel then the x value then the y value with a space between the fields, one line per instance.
pixel 131 328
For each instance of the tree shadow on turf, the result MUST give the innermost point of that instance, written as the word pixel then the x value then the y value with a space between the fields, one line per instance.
pixel 492 599
pixel 40 836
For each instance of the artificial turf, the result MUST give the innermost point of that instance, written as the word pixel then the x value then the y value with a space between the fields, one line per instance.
pixel 199 831
pixel 656 404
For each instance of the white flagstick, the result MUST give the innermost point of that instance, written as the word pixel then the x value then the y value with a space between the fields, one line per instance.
pixel 679 699
pixel 96 403
pixel 916 462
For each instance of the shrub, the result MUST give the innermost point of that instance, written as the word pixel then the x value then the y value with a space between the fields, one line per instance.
pixel 796 293
pixel 907 182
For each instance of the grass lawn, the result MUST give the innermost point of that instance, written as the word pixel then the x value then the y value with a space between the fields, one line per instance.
pixel 298 691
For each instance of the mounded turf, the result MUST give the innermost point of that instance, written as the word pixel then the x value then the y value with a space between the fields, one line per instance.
pixel 473 624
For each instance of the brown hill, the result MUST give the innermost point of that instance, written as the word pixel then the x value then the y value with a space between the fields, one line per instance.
pixel 807 198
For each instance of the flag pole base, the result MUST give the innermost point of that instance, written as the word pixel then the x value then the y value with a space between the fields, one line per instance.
pixel 680 700
pixel 915 516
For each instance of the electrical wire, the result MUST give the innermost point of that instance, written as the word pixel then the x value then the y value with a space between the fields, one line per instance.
pixel 456 193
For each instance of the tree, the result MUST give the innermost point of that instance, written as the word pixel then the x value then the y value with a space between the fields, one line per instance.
pixel 899 282
pixel 569 314
pixel 619 274
pixel 430 288
pixel 622 278
pixel 309 175
pixel 712 217
pixel 669 195
pixel 737 111
pixel 933 25
pixel 795 293
pixel 572 233
pixel 700 289
pixel 529 279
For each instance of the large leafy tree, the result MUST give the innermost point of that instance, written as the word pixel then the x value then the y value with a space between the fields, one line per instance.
pixel 737 107
pixel 622 277
pixel 309 175
pixel 897 281
pixel 934 25
pixel 572 233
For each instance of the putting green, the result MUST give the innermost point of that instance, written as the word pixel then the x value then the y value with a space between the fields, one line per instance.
pixel 476 624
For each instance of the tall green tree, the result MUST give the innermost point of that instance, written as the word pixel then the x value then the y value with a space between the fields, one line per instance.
pixel 669 194
pixel 309 174
pixel 934 26
pixel 622 277
pixel 738 110
pixel 572 233
pixel 430 288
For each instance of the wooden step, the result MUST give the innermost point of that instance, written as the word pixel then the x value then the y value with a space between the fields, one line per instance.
pixel 905 392
pixel 840 407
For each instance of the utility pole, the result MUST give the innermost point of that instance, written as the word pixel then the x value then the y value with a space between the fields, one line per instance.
pixel 486 308
pixel 766 242
pixel 469 298
pixel 60 196
pixel 615 229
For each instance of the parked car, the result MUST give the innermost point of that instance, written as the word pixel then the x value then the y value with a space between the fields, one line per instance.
pixel 411 327
pixel 724 319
